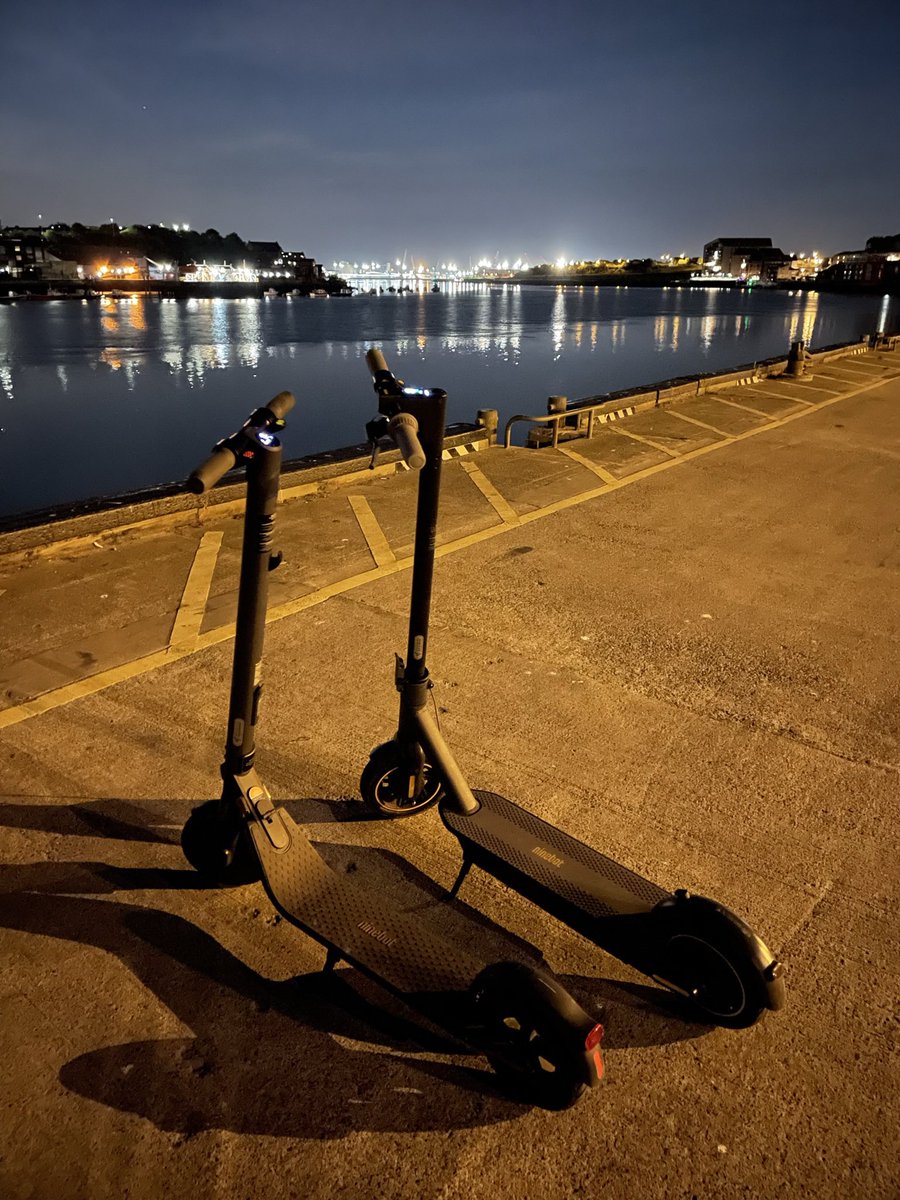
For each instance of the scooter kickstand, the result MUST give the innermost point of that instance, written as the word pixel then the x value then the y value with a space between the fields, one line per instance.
pixel 332 958
pixel 463 872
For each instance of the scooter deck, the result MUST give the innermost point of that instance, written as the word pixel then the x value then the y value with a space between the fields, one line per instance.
pixel 351 920
pixel 564 876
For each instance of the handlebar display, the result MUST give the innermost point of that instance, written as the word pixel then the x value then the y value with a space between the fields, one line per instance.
pixel 258 430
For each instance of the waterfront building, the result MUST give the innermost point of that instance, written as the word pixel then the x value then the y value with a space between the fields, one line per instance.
pixel 745 258
pixel 867 270
pixel 27 257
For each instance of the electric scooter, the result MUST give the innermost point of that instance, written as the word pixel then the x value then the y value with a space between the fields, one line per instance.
pixel 534 1034
pixel 689 944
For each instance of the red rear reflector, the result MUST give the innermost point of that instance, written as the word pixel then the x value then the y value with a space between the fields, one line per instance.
pixel 594 1038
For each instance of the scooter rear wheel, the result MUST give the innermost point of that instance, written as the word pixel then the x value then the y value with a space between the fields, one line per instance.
pixel 206 839
pixel 383 785
pixel 530 1045
pixel 715 978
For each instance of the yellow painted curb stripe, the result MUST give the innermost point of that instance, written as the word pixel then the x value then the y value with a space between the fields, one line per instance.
pixel 639 437
pixel 97 683
pixel 500 504
pixel 192 608
pixel 606 476
pixel 378 544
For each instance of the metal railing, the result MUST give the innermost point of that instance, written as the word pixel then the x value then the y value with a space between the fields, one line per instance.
pixel 676 389
pixel 572 415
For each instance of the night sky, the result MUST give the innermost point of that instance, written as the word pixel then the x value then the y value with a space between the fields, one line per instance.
pixel 455 130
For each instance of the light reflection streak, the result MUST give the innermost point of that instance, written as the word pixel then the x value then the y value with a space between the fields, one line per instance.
pixel 883 314
pixel 6 381
pixel 558 324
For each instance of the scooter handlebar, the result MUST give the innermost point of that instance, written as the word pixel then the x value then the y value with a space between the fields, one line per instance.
pixel 405 433
pixel 208 474
pixel 225 453
pixel 376 361
pixel 281 405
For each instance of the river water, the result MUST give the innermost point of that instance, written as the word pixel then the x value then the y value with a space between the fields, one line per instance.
pixel 107 396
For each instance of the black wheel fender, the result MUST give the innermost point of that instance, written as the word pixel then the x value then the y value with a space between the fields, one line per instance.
pixel 699 916
pixel 511 984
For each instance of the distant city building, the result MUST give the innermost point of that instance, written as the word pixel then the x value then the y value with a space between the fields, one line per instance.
pixel 299 267
pixel 865 269
pixel 745 258
pixel 265 255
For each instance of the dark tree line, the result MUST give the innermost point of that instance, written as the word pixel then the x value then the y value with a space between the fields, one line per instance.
pixel 83 242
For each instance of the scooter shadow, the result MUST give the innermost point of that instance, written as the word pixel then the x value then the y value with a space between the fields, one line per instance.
pixel 262 1056
pixel 156 821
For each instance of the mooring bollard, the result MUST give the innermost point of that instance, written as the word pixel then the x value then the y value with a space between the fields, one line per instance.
pixel 796 364
pixel 489 419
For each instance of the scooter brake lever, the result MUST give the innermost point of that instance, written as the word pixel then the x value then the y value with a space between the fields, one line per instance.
pixel 376 430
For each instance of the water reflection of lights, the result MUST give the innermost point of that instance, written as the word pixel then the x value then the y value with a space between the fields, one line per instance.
pixel 249 330
pixel 558 324
pixel 63 376
pixel 802 322
pixel 128 364
pixel 708 330
pixel 883 313
pixel 136 315
pixel 6 381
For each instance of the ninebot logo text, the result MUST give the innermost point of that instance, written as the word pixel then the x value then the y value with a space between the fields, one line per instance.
pixel 547 856
pixel 378 934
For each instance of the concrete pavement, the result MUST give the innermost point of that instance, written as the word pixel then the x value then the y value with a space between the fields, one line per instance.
pixel 678 640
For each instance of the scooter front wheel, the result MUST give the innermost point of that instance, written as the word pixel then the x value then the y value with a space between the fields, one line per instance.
pixel 217 847
pixel 385 784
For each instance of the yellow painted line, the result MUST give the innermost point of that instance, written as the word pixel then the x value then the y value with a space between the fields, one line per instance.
pixel 782 396
pixel 605 475
pixel 500 504
pixel 841 375
pixel 702 424
pixel 192 608
pixel 97 683
pixel 378 544
pixel 812 387
pixel 757 412
pixel 639 437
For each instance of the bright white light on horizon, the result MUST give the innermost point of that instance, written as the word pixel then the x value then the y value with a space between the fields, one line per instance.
pixel 560 263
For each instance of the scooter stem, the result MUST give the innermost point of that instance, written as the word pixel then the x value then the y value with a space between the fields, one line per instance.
pixel 430 412
pixel 263 469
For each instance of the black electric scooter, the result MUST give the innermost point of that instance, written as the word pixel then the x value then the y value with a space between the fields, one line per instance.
pixel 691 945
pixel 525 1023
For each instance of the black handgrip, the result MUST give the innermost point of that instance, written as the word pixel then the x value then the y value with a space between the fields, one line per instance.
pixel 405 432
pixel 209 473
pixel 376 361
pixel 225 453
pixel 281 405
